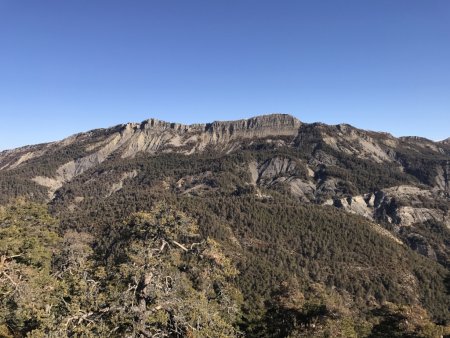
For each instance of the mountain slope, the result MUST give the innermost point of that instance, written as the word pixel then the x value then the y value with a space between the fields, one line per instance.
pixel 332 214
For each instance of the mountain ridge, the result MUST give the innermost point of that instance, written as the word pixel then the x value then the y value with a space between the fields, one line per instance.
pixel 154 136
pixel 214 125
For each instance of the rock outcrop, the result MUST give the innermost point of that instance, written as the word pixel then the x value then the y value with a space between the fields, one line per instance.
pixel 404 206
pixel 256 127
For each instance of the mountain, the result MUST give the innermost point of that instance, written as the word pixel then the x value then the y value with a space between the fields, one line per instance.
pixel 278 227
pixel 446 141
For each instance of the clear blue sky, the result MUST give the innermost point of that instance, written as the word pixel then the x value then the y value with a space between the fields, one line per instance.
pixel 73 65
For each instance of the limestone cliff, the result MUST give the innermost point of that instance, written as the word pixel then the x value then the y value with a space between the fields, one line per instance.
pixel 152 136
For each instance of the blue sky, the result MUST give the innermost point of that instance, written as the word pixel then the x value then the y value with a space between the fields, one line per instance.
pixel 74 65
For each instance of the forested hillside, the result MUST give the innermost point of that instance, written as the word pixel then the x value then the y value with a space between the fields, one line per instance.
pixel 266 227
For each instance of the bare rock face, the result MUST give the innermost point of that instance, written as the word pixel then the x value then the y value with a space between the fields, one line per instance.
pixel 404 206
pixel 355 205
pixel 443 177
pixel 412 215
pixel 302 189
pixel 257 127
pixel 352 141
pixel 275 167
pixel 158 136
pixel 281 170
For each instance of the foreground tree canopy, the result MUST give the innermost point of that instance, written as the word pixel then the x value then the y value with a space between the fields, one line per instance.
pixel 156 275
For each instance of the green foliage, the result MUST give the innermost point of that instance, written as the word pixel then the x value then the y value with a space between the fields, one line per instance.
pixel 314 312
pixel 150 275
pixel 404 321
pixel 29 294
pixel 167 279
pixel 431 234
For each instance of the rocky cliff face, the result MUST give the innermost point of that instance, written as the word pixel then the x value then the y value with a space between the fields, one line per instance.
pixel 443 176
pixel 403 205
pixel 257 127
